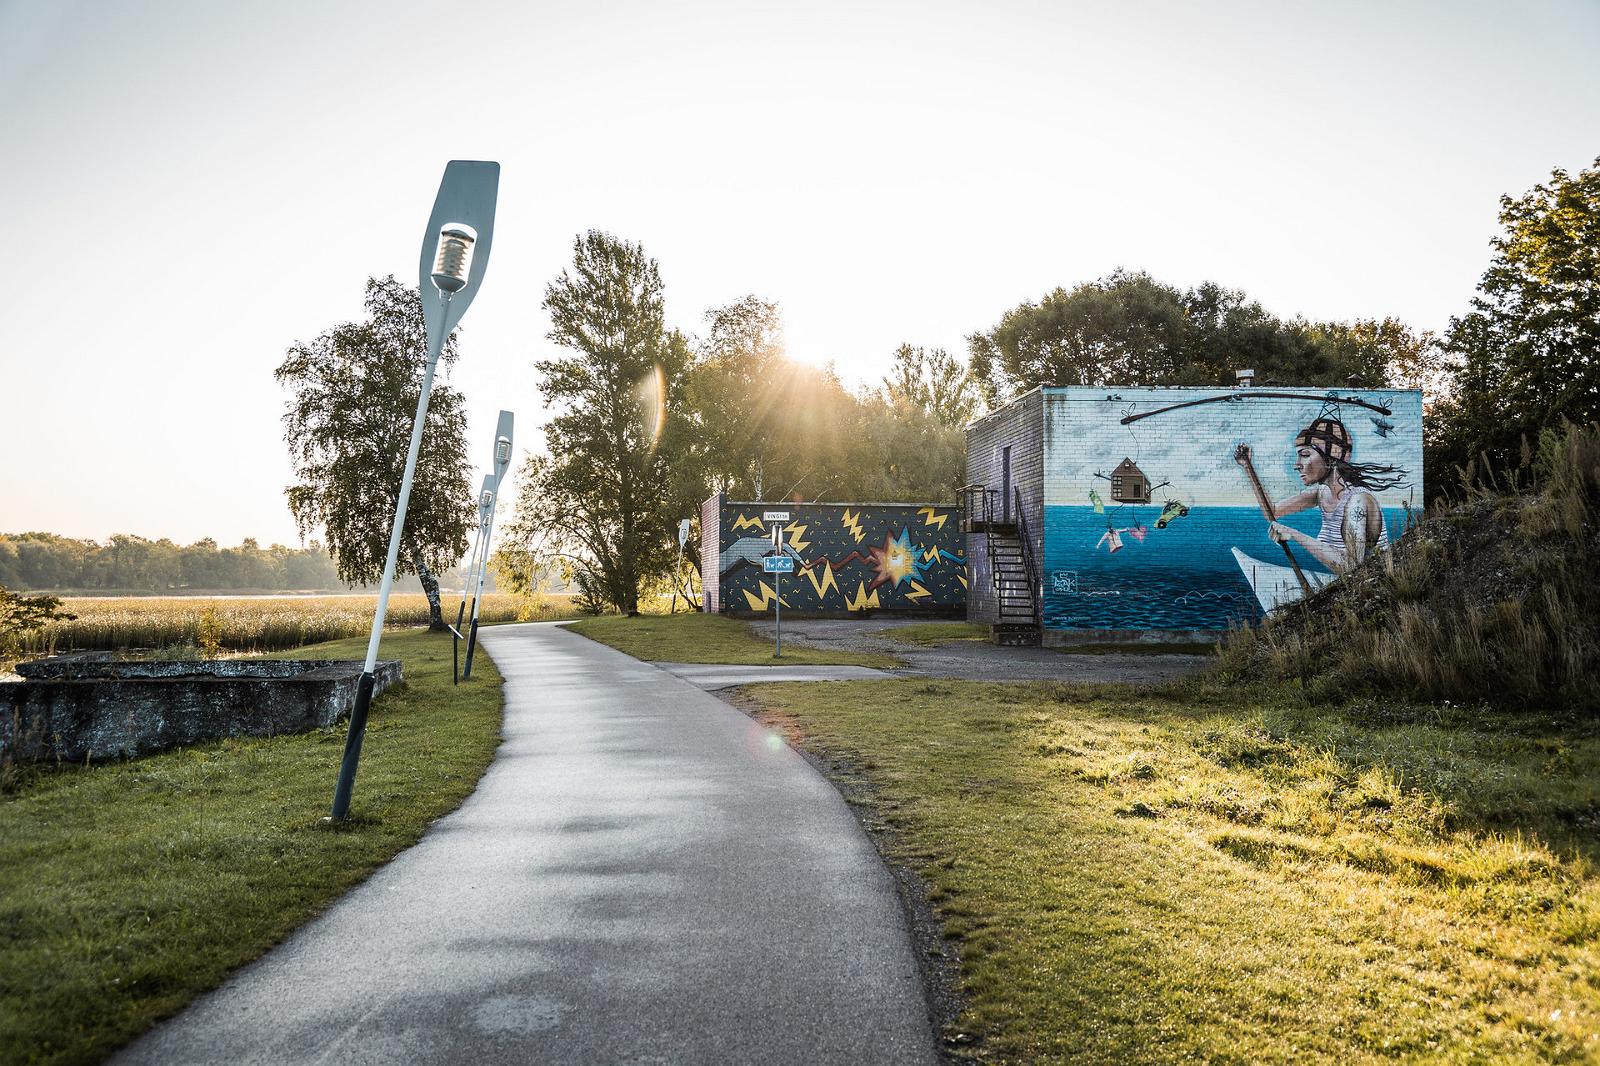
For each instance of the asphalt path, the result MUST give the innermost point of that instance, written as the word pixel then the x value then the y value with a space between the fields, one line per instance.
pixel 644 875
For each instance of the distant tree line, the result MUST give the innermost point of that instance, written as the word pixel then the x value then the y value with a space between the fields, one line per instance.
pixel 130 563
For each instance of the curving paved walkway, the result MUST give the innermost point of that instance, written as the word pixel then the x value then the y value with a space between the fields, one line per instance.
pixel 644 875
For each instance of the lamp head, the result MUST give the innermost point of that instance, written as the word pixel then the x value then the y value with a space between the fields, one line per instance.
pixel 452 266
pixel 455 244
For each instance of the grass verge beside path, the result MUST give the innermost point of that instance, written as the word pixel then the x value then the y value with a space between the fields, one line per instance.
pixel 1138 875
pixel 709 638
pixel 126 889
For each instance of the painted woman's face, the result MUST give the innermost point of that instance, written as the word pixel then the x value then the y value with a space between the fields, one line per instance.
pixel 1311 466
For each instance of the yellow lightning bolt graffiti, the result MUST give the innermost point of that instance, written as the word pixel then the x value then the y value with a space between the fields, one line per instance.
pixel 933 518
pixel 861 600
pixel 963 579
pixel 852 522
pixel 917 592
pixel 744 522
pixel 825 582
pixel 763 601
pixel 796 531
pixel 931 555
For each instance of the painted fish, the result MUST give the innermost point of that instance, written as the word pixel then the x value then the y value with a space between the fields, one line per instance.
pixel 1383 425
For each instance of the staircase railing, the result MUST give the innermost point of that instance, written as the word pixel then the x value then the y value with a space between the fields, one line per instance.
pixel 977 508
pixel 1027 558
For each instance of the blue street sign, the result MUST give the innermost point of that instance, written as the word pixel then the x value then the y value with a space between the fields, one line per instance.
pixel 777 564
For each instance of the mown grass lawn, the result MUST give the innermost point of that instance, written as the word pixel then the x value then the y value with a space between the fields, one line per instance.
pixel 709 638
pixel 1195 875
pixel 128 888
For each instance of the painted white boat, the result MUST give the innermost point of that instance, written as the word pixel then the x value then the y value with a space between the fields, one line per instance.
pixel 1274 583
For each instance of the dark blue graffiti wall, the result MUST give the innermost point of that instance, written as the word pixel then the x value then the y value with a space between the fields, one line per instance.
pixel 847 558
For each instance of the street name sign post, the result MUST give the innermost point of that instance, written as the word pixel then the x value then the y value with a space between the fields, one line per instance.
pixel 777 566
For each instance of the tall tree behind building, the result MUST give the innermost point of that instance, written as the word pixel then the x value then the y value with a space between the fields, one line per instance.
pixel 1129 329
pixel 352 398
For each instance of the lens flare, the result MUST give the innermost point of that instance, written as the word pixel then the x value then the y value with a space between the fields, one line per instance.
pixel 650 393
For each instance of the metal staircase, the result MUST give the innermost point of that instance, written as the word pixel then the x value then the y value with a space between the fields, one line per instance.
pixel 1011 565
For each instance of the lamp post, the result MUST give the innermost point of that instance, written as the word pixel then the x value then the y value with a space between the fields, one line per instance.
pixel 485 503
pixel 502 460
pixel 455 253
pixel 485 496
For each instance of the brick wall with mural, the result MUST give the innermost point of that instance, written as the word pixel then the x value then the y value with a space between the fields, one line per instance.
pixel 849 558
pixel 1152 498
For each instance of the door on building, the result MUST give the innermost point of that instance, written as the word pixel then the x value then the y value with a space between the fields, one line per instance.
pixel 1005 484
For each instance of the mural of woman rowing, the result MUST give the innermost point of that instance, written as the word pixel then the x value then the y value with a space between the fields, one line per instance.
pixel 1345 491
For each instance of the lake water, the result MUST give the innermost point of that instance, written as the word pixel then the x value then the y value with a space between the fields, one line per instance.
pixel 1181 577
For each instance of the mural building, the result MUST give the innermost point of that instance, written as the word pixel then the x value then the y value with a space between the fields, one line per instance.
pixel 1197 509
pixel 848 557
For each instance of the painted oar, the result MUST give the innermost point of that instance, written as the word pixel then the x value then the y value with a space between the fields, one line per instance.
pixel 1241 455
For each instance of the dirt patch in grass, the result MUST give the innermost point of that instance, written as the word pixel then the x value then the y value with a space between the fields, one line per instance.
pixel 128 888
pixel 1197 875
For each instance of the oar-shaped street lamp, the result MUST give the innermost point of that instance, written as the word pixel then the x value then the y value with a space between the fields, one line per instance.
pixel 479 538
pixel 455 252
pixel 502 460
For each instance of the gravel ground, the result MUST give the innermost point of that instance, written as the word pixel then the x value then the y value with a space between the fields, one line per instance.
pixel 974 660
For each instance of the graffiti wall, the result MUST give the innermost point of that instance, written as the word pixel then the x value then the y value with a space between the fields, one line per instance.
pixel 1156 500
pixel 848 557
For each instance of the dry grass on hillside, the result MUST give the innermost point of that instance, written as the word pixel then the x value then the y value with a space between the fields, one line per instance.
pixel 1494 600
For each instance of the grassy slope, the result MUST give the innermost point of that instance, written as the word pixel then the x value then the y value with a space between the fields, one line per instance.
pixel 707 638
pixel 1493 599
pixel 1134 879
pixel 128 888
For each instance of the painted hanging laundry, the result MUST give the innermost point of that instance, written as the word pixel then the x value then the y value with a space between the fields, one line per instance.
pixel 1137 532
pixel 1113 538
pixel 1099 504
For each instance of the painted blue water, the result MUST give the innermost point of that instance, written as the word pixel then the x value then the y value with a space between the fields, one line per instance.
pixel 1180 577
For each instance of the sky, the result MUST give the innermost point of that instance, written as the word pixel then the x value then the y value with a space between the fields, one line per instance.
pixel 192 187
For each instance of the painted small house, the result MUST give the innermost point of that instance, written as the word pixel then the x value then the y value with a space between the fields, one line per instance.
pixel 850 559
pixel 1128 483
pixel 1176 539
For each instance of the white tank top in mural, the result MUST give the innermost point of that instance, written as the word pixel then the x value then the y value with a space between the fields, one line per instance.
pixel 1332 532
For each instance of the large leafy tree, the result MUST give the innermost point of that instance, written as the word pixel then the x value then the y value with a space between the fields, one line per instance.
pixel 1528 353
pixel 770 427
pixel 352 397
pixel 1129 329
pixel 932 382
pixel 607 496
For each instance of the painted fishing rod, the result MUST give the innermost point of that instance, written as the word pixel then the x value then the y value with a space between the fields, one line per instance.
pixel 1262 394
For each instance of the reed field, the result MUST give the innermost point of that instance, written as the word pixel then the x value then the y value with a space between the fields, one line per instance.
pixel 253 624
